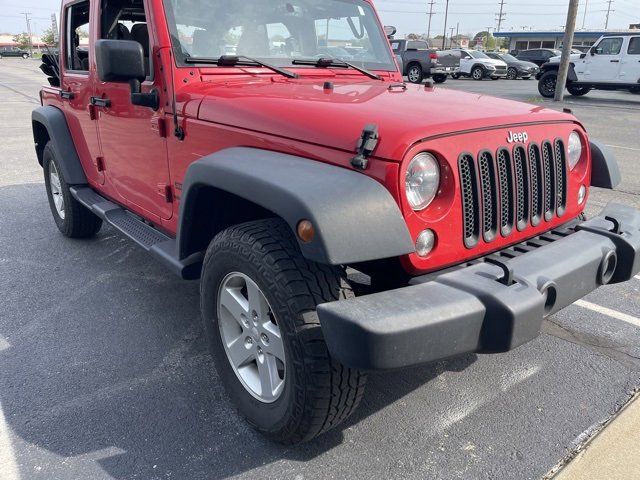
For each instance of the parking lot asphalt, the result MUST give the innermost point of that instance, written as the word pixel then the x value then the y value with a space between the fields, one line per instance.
pixel 104 372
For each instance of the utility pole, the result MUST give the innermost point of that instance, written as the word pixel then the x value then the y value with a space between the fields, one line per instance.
pixel 431 4
pixel 26 17
pixel 606 24
pixel 446 16
pixel 584 17
pixel 501 15
pixel 486 42
pixel 451 37
pixel 569 30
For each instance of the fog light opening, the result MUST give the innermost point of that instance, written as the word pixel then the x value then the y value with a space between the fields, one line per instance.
pixel 425 243
pixel 550 294
pixel 607 268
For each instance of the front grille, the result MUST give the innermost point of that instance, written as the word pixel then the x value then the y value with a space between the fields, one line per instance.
pixel 512 189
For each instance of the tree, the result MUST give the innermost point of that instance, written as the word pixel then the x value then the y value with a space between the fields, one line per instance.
pixel 22 40
pixel 49 37
pixel 488 40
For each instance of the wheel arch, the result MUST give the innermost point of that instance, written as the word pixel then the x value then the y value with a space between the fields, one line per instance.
pixel 49 125
pixel 554 67
pixel 355 218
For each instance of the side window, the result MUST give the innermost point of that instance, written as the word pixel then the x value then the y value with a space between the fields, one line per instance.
pixel 77 37
pixel 126 20
pixel 609 46
pixel 465 55
pixel 415 45
pixel 634 46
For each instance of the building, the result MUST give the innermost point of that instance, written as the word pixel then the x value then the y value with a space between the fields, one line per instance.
pixel 6 40
pixel 524 40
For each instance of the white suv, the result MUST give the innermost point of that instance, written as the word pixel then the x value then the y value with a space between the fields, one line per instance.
pixel 477 65
pixel 613 63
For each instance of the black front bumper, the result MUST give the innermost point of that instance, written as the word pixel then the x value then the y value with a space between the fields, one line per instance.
pixel 493 306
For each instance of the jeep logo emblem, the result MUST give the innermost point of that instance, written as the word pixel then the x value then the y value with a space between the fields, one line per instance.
pixel 514 137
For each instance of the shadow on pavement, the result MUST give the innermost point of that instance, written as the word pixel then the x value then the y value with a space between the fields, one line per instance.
pixel 106 359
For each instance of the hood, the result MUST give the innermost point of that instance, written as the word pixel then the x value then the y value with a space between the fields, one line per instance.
pixel 303 110
pixel 522 64
pixel 491 61
pixel 573 57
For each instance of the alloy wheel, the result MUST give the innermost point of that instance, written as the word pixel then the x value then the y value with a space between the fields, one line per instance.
pixel 251 337
pixel 56 189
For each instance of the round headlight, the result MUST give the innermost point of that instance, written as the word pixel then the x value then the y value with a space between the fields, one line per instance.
pixel 575 149
pixel 422 180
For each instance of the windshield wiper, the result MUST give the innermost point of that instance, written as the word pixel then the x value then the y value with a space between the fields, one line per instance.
pixel 336 62
pixel 240 61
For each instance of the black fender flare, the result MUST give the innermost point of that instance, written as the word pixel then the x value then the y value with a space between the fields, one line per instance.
pixel 604 167
pixel 550 67
pixel 355 218
pixel 53 121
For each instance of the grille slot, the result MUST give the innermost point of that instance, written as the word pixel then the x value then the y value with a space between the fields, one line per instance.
pixel 549 169
pixel 522 187
pixel 514 189
pixel 489 188
pixel 536 184
pixel 505 176
pixel 561 177
pixel 470 199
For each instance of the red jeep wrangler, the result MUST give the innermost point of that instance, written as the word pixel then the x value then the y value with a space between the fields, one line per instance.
pixel 238 143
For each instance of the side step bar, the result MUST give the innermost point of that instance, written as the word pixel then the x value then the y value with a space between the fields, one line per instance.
pixel 161 246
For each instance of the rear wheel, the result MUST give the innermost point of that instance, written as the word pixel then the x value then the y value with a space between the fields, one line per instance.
pixel 414 73
pixel 25 56
pixel 477 73
pixel 72 218
pixel 440 78
pixel 258 302
pixel 512 74
pixel 455 76
pixel 547 84
pixel 577 90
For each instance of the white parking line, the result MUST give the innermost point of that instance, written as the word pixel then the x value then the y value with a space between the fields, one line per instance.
pixel 610 313
pixel 8 464
pixel 625 148
pixel 637 277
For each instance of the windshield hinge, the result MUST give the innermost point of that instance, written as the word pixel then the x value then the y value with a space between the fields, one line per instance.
pixel 366 145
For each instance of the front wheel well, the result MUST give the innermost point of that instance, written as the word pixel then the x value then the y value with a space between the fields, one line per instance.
pixel 41 138
pixel 211 210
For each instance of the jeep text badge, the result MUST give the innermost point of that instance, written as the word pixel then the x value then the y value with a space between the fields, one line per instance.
pixel 514 137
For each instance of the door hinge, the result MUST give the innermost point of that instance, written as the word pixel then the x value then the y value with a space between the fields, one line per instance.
pixel 93 114
pixel 160 126
pixel 165 191
pixel 100 164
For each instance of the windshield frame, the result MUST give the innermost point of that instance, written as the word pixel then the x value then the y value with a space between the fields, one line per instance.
pixel 384 46
pixel 480 54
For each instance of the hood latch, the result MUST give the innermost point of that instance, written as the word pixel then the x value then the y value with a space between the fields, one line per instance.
pixel 366 145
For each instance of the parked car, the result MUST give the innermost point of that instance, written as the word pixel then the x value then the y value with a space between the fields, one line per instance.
pixel 539 56
pixel 515 68
pixel 270 178
pixel 420 61
pixel 478 65
pixel 13 52
pixel 613 63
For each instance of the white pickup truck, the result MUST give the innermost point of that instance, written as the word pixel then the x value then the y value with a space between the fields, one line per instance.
pixel 613 63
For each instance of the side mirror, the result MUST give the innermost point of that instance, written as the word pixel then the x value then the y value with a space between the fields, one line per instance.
pixel 390 31
pixel 592 51
pixel 122 61
pixel 583 55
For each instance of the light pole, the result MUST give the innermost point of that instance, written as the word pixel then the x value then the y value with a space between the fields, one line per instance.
pixel 26 17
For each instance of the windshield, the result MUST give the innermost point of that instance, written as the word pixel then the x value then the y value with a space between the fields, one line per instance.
pixel 279 31
pixel 508 58
pixel 476 54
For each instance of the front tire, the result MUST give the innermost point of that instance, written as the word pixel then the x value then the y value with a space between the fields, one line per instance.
pixel 547 84
pixel 512 74
pixel 256 282
pixel 578 91
pixel 477 73
pixel 25 56
pixel 415 74
pixel 72 218
pixel 439 78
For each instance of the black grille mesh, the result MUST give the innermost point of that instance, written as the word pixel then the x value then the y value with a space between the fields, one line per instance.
pixel 516 188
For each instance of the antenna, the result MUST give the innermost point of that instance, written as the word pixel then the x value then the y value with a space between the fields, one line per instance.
pixel 178 131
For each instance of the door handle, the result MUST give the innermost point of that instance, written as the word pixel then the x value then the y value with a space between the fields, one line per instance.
pixel 66 95
pixel 614 61
pixel 100 102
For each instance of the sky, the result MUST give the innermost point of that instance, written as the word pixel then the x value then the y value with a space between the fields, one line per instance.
pixel 410 16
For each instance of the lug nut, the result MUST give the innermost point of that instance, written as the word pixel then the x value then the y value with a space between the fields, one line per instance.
pixel 264 338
